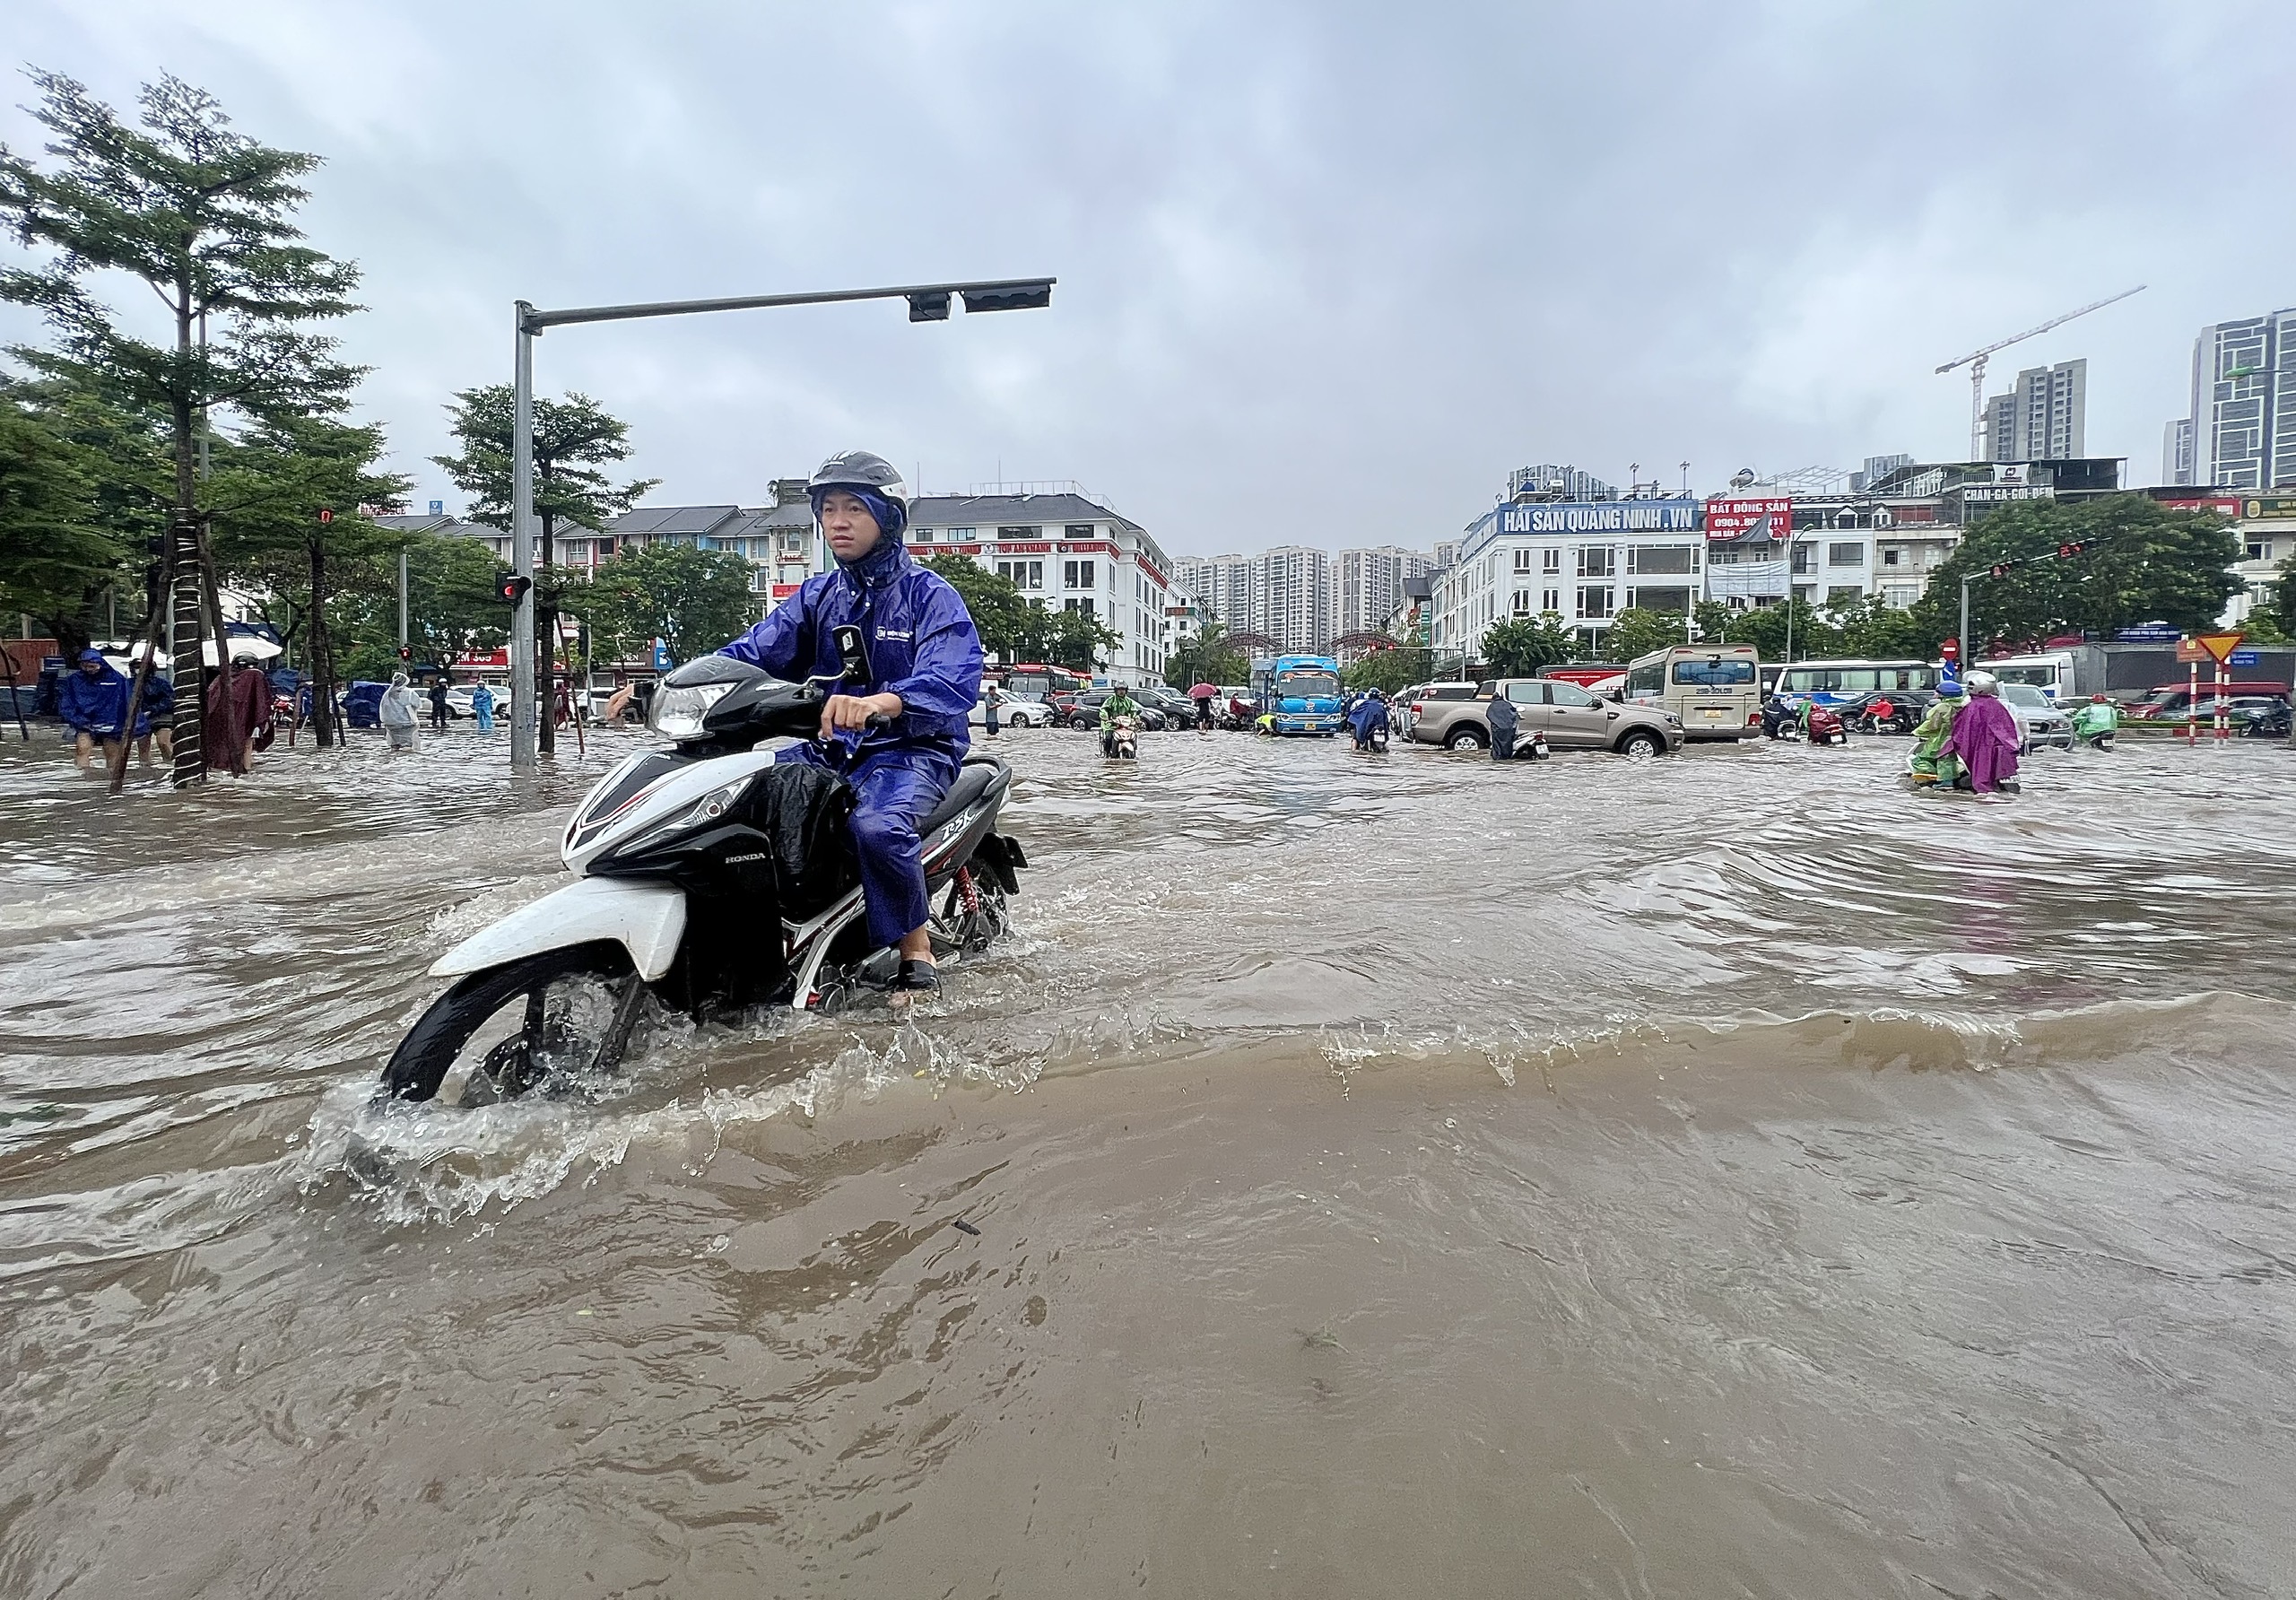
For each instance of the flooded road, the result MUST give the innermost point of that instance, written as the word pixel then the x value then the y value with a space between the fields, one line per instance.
pixel 1724 1176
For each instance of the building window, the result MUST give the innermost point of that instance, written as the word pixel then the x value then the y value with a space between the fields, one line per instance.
pixel 1801 559
pixel 1849 553
pixel 1595 603
pixel 1077 530
pixel 1662 558
pixel 1844 593
pixel 1549 560
pixel 1522 603
pixel 923 535
pixel 1522 560
pixel 1889 556
pixel 1084 605
pixel 1077 574
pixel 1551 600
pixel 1018 532
pixel 1026 575
pixel 2259 550
pixel 1900 595
pixel 1594 560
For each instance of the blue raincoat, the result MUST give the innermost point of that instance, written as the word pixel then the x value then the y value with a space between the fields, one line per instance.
pixel 1369 717
pixel 96 706
pixel 922 646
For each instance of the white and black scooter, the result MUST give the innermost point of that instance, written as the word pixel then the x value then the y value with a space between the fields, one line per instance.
pixel 708 878
pixel 1121 743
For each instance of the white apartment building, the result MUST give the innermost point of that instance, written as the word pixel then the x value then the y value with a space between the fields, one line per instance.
pixel 1368 587
pixel 2239 429
pixel 1583 560
pixel 1062 548
pixel 2044 418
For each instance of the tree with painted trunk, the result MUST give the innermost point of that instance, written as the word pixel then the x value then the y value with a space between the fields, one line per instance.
pixel 204 217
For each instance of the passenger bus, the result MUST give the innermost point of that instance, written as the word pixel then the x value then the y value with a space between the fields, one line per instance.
pixel 1715 690
pixel 1302 692
pixel 1834 682
pixel 1037 680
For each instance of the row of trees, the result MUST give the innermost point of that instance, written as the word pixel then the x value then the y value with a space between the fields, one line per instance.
pixel 230 427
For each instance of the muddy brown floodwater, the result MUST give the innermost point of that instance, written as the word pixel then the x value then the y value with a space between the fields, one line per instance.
pixel 1724 1176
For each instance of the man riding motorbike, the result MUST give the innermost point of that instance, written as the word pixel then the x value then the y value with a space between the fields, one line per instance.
pixel 1928 764
pixel 1369 717
pixel 924 659
pixel 2095 723
pixel 1119 703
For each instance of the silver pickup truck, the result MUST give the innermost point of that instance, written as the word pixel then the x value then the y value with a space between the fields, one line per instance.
pixel 1570 718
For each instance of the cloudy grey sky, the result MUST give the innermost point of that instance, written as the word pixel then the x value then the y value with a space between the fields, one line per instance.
pixel 1329 270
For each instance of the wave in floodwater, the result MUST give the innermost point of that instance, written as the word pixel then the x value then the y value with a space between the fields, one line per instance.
pixel 1729 1174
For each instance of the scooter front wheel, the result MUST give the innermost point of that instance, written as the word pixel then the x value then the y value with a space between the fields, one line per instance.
pixel 575 1008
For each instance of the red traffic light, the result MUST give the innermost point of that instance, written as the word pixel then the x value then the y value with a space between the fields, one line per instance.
pixel 406 652
pixel 514 589
pixel 2073 548
pixel 2001 569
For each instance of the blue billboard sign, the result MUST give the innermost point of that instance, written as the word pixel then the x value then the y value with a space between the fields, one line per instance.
pixel 2246 658
pixel 1600 517
pixel 2148 636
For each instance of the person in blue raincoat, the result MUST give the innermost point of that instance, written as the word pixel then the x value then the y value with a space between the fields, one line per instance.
pixel 924 660
pixel 481 707
pixel 92 701
pixel 1369 717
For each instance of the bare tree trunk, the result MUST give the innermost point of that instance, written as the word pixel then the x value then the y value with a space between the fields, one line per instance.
pixel 185 570
pixel 322 648
pixel 546 644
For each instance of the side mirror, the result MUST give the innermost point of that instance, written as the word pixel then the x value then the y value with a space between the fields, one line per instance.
pixel 853 653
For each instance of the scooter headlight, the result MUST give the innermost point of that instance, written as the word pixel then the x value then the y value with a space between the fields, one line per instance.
pixel 703 811
pixel 678 712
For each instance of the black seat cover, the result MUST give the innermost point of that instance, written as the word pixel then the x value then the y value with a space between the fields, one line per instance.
pixel 973 781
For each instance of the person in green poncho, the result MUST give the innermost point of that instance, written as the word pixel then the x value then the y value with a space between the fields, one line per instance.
pixel 2096 722
pixel 1928 766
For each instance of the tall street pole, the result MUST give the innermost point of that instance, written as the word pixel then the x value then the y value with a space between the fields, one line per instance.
pixel 401 599
pixel 928 303
pixel 523 738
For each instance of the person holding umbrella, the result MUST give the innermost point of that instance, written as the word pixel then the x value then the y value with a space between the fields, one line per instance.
pixel 1203 694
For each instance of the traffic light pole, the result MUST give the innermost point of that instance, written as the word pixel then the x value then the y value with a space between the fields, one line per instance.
pixel 523 710
pixel 928 303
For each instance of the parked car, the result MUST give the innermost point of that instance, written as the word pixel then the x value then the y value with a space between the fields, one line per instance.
pixel 1569 717
pixel 1414 703
pixel 2170 703
pixel 2037 716
pixel 1176 709
pixel 1013 710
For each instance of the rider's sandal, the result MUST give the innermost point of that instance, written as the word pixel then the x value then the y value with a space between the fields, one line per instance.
pixel 918 977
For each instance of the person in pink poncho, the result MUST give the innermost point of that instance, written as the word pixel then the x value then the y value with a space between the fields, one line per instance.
pixel 1986 737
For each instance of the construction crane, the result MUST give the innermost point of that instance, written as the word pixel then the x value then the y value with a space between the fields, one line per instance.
pixel 1975 359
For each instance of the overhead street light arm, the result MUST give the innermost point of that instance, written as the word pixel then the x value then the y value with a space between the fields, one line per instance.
pixel 997 294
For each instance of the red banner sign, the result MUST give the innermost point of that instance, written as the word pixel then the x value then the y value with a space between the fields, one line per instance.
pixel 1730 520
pixel 1031 549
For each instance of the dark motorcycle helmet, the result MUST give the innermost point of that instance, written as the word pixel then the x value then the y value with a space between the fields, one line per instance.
pixel 871 477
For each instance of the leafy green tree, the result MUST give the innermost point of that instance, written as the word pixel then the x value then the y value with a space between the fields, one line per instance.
pixel 1767 629
pixel 204 217
pixel 2279 608
pixel 1076 639
pixel 1635 632
pixel 1870 627
pixel 1712 619
pixel 1206 657
pixel 1518 647
pixel 55 554
pixel 1000 610
pixel 1388 671
pixel 574 439
pixel 692 600
pixel 2148 564
pixel 268 489
pixel 454 605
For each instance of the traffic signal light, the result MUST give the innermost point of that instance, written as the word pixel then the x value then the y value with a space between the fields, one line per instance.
pixel 2073 548
pixel 406 652
pixel 513 588
pixel 2001 569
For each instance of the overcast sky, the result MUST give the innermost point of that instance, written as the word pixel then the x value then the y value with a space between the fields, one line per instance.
pixel 1329 270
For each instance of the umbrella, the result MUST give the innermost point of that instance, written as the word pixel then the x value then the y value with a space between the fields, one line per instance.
pixel 1201 691
pixel 245 647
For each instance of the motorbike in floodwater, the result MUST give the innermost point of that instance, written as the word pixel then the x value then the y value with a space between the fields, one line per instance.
pixel 1121 741
pixel 709 878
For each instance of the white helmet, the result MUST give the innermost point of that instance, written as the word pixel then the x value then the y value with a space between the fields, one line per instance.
pixel 1983 683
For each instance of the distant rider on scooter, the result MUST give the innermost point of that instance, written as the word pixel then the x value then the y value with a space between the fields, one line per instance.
pixel 1119 703
pixel 924 660
pixel 2095 723
pixel 1369 717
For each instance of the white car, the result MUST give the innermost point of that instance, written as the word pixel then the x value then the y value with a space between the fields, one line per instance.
pixel 1013 710
pixel 2037 716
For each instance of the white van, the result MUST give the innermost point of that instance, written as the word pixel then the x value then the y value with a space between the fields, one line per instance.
pixel 2049 671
